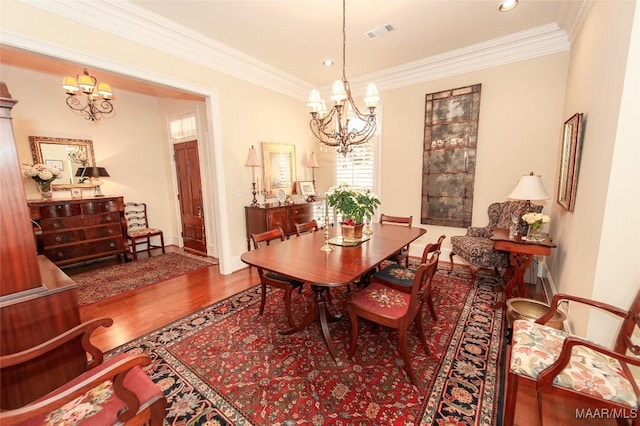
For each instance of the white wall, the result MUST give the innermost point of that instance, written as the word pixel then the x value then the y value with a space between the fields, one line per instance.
pixel 599 253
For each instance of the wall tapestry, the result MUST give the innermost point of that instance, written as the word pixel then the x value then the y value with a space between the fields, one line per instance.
pixel 449 156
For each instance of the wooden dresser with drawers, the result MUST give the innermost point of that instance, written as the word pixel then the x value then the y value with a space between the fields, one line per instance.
pixel 74 231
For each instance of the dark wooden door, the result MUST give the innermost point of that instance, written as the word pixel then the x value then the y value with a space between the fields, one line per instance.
pixel 190 195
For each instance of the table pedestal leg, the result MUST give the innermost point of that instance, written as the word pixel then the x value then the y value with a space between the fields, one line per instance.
pixel 519 264
pixel 318 310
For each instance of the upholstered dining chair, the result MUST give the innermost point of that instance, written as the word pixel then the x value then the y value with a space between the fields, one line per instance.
pixel 401 278
pixel 116 391
pixel 395 309
pixel 568 366
pixel 269 278
pixel 138 230
pixel 476 247
pixel 306 227
pixel 403 254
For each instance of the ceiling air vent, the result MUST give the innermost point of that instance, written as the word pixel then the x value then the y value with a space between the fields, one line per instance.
pixel 380 31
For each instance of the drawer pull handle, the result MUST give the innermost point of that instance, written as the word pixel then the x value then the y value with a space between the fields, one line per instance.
pixel 58 239
pixel 110 231
pixel 112 245
pixel 60 255
pixel 56 225
pixel 108 219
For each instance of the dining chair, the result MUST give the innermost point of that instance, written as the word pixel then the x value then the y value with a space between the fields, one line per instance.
pixel 138 230
pixel 401 278
pixel 269 278
pixel 401 255
pixel 395 309
pixel 569 367
pixel 116 391
pixel 306 227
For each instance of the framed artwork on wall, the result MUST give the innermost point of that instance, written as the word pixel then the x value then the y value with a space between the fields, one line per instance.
pixel 449 156
pixel 570 161
pixel 279 165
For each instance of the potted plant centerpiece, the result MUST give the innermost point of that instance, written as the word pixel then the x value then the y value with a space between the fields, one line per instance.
pixel 355 205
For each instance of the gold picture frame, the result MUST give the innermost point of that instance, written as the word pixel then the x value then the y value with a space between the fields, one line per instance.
pixel 44 149
pixel 279 166
pixel 570 162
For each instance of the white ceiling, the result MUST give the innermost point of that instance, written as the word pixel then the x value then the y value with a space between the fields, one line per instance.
pixel 295 36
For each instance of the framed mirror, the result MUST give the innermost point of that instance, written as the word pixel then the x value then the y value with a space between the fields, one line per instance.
pixel 279 165
pixel 570 161
pixel 65 154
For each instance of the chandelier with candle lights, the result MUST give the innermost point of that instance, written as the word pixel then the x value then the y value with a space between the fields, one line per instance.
pixel 336 127
pixel 98 96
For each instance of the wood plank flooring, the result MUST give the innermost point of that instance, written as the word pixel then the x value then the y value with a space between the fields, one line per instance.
pixel 152 307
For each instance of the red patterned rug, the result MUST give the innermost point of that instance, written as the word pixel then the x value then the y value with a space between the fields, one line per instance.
pixel 106 282
pixel 226 365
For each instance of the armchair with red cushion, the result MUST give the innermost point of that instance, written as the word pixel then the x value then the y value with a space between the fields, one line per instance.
pixel 116 391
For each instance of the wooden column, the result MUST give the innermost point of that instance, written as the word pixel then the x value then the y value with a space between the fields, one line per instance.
pixel 37 300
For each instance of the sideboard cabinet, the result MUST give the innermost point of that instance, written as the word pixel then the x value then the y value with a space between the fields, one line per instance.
pixel 73 231
pixel 270 216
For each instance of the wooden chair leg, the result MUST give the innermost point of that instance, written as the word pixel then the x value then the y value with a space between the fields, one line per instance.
pixel 162 243
pixel 404 353
pixel 420 327
pixel 451 254
pixel 510 398
pixel 474 273
pixel 432 307
pixel 134 247
pixel 158 410
pixel 354 333
pixel 263 298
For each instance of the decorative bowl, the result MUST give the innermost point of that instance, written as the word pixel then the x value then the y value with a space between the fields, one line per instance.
pixel 531 310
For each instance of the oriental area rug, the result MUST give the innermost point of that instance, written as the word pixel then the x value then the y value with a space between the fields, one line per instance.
pixel 106 282
pixel 227 365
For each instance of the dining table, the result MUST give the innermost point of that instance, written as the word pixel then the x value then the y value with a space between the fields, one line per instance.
pixel 306 258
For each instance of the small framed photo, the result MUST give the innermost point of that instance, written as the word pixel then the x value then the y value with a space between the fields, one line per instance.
pixel 76 193
pixel 306 189
pixel 55 163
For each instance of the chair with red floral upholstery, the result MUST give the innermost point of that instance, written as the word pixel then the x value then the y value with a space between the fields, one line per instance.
pixel 116 391
pixel 476 247
pixel 569 367
pixel 395 309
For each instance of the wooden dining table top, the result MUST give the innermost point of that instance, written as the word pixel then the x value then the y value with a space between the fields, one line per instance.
pixel 302 259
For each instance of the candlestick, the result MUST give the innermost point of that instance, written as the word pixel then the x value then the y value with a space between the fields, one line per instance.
pixel 326 246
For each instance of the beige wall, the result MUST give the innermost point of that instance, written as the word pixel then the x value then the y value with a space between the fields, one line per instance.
pixel 520 115
pixel 599 257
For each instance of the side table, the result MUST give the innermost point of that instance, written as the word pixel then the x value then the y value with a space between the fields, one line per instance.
pixel 521 252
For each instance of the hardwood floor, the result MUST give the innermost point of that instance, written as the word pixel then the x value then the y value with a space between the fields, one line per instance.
pixel 141 311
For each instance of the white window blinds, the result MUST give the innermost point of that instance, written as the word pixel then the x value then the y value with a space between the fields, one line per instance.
pixel 358 167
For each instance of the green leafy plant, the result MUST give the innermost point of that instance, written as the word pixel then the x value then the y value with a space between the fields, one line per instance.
pixel 354 204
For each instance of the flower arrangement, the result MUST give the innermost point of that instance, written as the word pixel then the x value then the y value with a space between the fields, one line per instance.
pixel 354 204
pixel 535 222
pixel 42 174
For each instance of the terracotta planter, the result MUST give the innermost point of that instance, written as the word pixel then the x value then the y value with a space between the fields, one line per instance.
pixel 352 232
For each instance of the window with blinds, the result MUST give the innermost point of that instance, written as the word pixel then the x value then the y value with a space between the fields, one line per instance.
pixel 358 167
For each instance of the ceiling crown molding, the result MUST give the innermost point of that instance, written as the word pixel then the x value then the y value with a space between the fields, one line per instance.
pixel 127 20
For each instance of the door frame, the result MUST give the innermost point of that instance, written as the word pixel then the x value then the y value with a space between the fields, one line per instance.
pixel 209 219
pixel 211 148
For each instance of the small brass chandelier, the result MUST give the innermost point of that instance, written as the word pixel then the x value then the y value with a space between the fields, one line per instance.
pixel 333 127
pixel 98 96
